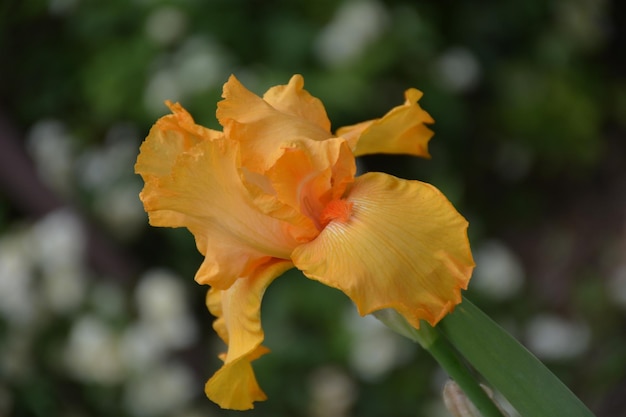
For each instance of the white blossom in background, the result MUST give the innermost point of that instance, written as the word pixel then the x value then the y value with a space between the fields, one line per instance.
pixel 162 304
pixel 499 273
pixel 162 390
pixel 458 69
pixel 50 145
pixel 120 209
pixel 92 352
pixel 355 25
pixel 140 347
pixel 201 63
pixel 58 244
pixel 375 349
pixel 165 25
pixel 332 392
pixel 106 173
pixel 17 287
pixel 198 64
pixel 161 85
pixel 103 166
pixel 554 338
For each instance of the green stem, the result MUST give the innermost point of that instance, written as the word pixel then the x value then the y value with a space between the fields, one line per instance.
pixel 446 356
pixel 507 366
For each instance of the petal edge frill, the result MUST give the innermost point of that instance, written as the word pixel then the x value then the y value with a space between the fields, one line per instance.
pixel 238 323
pixel 401 131
pixel 403 247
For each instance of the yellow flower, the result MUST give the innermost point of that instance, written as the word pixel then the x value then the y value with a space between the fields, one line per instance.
pixel 276 189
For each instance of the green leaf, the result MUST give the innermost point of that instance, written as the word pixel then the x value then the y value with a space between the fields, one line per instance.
pixel 509 367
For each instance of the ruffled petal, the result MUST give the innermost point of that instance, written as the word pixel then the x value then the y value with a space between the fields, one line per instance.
pixel 202 190
pixel 397 244
pixel 293 99
pixel 311 174
pixel 400 131
pixel 238 323
pixel 170 136
pixel 264 130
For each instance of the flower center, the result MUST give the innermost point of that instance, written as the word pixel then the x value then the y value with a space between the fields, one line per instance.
pixel 339 210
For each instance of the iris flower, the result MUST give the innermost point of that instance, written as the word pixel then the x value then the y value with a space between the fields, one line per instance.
pixel 276 189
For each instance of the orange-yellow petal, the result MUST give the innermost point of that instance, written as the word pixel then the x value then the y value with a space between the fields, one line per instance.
pixel 401 131
pixel 293 99
pixel 403 246
pixel 238 323
pixel 311 174
pixel 301 182
pixel 170 136
pixel 264 129
pixel 197 185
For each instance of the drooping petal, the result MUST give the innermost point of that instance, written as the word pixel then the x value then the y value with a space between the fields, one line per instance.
pixel 403 246
pixel 264 130
pixel 202 190
pixel 238 323
pixel 401 131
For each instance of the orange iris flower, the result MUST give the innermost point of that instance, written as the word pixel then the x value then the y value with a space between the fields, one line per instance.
pixel 276 189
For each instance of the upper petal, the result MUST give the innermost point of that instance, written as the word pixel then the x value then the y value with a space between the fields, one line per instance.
pixel 401 131
pixel 404 247
pixel 238 323
pixel 265 127
pixel 293 99
pixel 195 183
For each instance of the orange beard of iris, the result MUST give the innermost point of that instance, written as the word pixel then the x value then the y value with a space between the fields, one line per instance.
pixel 338 210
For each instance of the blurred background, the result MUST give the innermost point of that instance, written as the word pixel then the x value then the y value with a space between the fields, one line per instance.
pixel 99 313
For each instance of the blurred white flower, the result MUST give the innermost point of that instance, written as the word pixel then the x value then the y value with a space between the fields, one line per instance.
pixel 140 348
pixel 332 392
pixel 499 273
pixel 198 64
pixel 162 85
pixel 63 289
pixel 554 338
pixel 356 24
pixel 58 242
pixel 101 167
pixel 161 390
pixel 92 352
pixel 17 289
pixel 458 69
pixel 166 24
pixel 375 349
pixel 120 209
pixel 50 146
pixel 162 303
pixel 59 239
pixel 201 63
